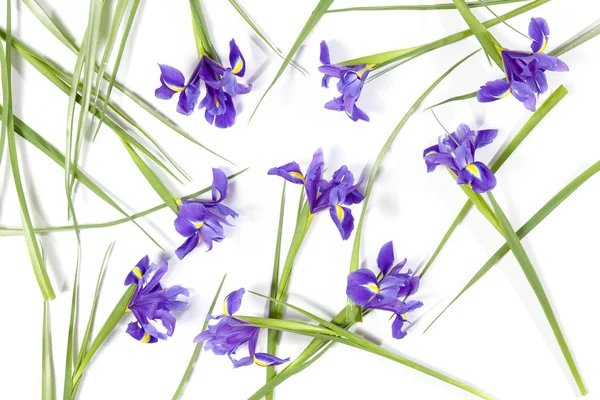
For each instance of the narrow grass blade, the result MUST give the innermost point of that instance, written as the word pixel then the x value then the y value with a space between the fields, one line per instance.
pixel 531 224
pixel 69 364
pixel 37 261
pixel 201 33
pixel 48 379
pixel 198 348
pixel 316 15
pixel 534 281
pixel 424 7
pixel 260 34
pixel 111 322
pixel 500 158
pixel 90 324
pixel 467 96
pixel 489 44
pixel 272 335
pixel 67 228
pixel 297 327
pixel 364 344
pixel 51 25
pixel 587 34
pixel 354 260
pixel 479 202
pixel 55 155
pixel 152 179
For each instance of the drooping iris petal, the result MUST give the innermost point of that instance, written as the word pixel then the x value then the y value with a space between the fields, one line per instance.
pixel 188 98
pixel 233 302
pixel 362 286
pixel 138 333
pixel 268 360
pixel 190 218
pixel 219 186
pixel 314 174
pixel 343 220
pixel 479 176
pixel 484 137
pixel 397 332
pixel 187 247
pixel 525 94
pixel 172 81
pixel 550 63
pixel 138 271
pixel 493 90
pixel 290 172
pixel 538 32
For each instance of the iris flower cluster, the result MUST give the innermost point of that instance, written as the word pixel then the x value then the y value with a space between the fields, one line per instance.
pixel 456 151
pixel 321 194
pixel 229 333
pixel 203 219
pixel 151 303
pixel 525 70
pixel 351 79
pixel 220 82
pixel 385 293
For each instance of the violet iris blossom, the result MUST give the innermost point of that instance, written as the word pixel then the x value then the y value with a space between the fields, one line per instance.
pixel 350 84
pixel 221 87
pixel 229 333
pixel 456 151
pixel 203 219
pixel 386 292
pixel 525 70
pixel 152 303
pixel 334 195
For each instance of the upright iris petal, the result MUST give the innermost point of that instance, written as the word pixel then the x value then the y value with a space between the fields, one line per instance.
pixel 525 71
pixel 387 292
pixel 334 195
pixel 151 304
pixel 456 151
pixel 350 84
pixel 229 333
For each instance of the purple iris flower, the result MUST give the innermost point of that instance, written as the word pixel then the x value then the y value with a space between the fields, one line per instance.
pixel 334 195
pixel 229 333
pixel 525 70
pixel 351 80
pixel 203 219
pixel 152 303
pixel 386 292
pixel 220 82
pixel 456 151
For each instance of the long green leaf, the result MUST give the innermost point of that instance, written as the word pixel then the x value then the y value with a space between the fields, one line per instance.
pixel 534 281
pixel 198 348
pixel 51 25
pixel 48 379
pixel 201 33
pixel 67 388
pixel 67 228
pixel 500 158
pixel 424 7
pixel 354 260
pixel 260 34
pixel 366 345
pixel 37 261
pixel 316 15
pixel 272 335
pixel 531 224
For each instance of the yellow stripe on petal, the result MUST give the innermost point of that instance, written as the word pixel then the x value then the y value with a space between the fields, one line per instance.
pixel 137 272
pixel 431 152
pixel 340 212
pixel 145 338
pixel 216 101
pixel 261 363
pixel 544 44
pixel 297 175
pixel 225 309
pixel 176 89
pixel 373 287
pixel 239 64
pixel 474 170
pixel 503 95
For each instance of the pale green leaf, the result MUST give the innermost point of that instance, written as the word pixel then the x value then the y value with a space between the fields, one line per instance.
pixel 48 378
pixel 424 7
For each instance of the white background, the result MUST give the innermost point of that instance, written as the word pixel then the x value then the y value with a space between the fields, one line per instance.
pixel 495 337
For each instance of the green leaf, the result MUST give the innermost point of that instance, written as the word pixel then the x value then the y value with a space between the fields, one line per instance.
pixel 201 33
pixel 488 42
pixel 260 34
pixel 500 158
pixel 533 222
pixel 16 232
pixel 361 343
pixel 582 37
pixel 49 23
pixel 479 202
pixel 151 177
pixel 316 15
pixel 272 335
pixel 198 347
pixel 90 324
pixel 354 260
pixel 48 384
pixel 455 98
pixel 442 6
pixel 37 261
pixel 111 322
pixel 301 328
pixel 67 389
pixel 534 281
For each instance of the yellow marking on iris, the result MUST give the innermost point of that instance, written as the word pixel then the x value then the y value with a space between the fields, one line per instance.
pixel 176 89
pixel 198 224
pixel 544 44
pixel 340 212
pixel 225 309
pixel 261 363
pixel 367 67
pixel 373 287
pixel 297 175
pixel 137 272
pixel 239 64
pixel 178 202
pixel 431 152
pixel 503 95
pixel 216 101
pixel 403 316
pixel 474 170
pixel 145 338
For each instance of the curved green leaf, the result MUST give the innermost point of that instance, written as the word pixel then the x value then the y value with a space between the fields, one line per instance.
pixel 425 7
